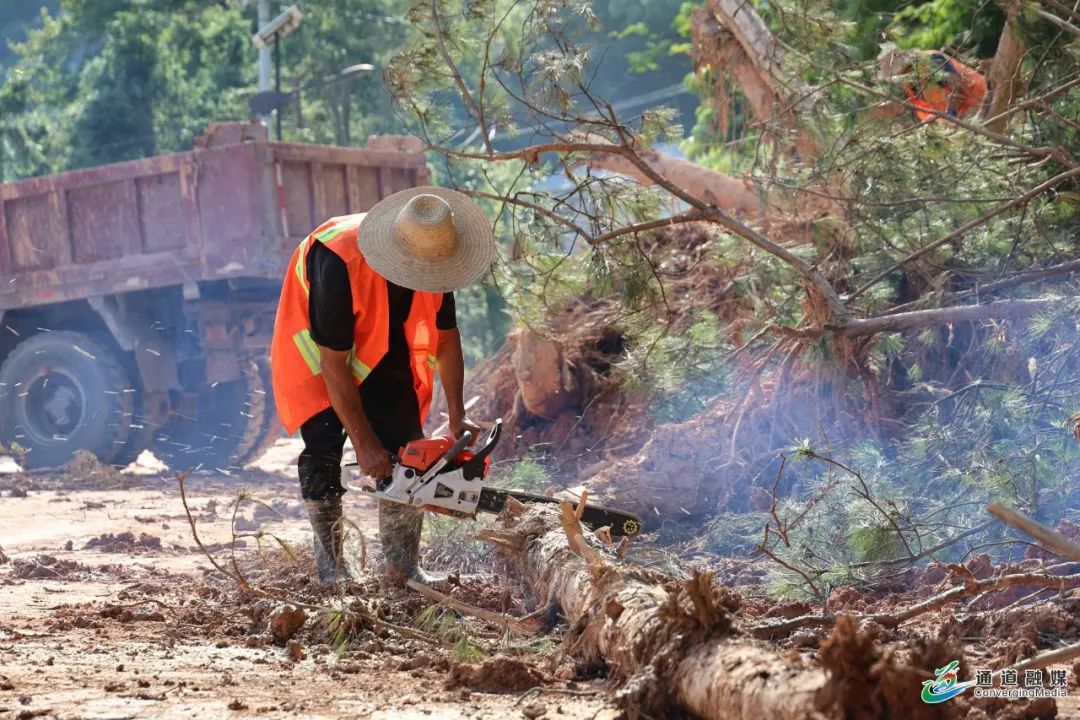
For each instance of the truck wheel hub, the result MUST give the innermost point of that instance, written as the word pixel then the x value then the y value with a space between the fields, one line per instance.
pixel 55 406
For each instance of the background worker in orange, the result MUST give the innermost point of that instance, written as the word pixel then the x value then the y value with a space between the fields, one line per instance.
pixel 935 83
pixel 366 316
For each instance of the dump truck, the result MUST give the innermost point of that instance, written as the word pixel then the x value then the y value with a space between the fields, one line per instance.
pixel 137 299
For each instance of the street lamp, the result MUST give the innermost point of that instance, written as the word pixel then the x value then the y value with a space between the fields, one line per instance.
pixel 284 24
pixel 357 69
pixel 273 100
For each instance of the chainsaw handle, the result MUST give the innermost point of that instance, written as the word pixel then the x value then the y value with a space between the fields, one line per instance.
pixel 475 467
pixel 489 442
pixel 461 444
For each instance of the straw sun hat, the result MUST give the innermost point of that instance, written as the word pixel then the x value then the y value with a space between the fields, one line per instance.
pixel 428 238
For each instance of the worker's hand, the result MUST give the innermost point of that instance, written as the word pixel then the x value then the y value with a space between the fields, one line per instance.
pixel 458 425
pixel 372 457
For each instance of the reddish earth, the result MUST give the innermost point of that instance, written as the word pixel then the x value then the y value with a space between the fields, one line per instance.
pixel 109 610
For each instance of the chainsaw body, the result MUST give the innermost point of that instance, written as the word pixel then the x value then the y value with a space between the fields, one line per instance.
pixel 442 476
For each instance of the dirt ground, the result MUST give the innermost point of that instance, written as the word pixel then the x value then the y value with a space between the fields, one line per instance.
pixel 97 623
pixel 109 610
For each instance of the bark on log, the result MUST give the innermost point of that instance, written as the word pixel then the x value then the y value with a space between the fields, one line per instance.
pixel 1048 538
pixel 758 69
pixel 789 217
pixel 997 310
pixel 760 45
pixel 668 647
pixel 716 50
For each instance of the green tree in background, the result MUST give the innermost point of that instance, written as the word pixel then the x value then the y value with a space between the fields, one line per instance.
pixel 104 81
pixel 16 16
pixel 334 35
pixel 98 81
pixel 644 53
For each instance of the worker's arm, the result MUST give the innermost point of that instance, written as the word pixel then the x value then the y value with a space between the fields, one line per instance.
pixel 451 364
pixel 371 456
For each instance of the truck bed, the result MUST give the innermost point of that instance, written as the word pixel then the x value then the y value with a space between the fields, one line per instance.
pixel 234 207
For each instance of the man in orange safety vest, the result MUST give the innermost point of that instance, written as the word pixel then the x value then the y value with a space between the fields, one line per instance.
pixel 935 84
pixel 366 317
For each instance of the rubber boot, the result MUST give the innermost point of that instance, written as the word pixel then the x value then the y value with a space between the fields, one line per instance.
pixel 329 541
pixel 399 531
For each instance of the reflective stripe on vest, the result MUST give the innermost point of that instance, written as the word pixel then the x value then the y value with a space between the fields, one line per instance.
pixel 334 230
pixel 359 370
pixel 324 237
pixel 309 350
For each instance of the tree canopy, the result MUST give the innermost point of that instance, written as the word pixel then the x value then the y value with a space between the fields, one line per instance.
pixel 891 289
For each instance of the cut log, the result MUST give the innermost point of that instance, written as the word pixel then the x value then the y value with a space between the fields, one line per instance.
pixel 669 647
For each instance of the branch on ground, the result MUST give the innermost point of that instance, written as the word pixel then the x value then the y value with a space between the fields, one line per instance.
pixel 971 588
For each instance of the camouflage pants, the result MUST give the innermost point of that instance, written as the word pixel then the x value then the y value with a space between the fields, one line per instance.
pixel 319 466
pixel 399 532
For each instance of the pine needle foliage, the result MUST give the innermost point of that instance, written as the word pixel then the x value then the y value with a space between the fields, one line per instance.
pixel 870 217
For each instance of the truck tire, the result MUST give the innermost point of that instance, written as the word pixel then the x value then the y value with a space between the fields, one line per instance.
pixel 61 392
pixel 232 424
pixel 263 428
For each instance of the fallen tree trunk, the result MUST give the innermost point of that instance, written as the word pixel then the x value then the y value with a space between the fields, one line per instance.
pixel 668 646
pixel 732 194
pixel 730 37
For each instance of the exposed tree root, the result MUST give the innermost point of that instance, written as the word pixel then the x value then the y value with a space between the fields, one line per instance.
pixel 870 681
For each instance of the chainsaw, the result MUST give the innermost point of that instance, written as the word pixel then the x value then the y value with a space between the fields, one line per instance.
pixel 441 475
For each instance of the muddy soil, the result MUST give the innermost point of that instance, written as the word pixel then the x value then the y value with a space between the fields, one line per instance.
pixel 108 609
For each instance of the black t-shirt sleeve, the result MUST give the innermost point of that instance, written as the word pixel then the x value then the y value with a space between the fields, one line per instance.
pixel 330 300
pixel 447 317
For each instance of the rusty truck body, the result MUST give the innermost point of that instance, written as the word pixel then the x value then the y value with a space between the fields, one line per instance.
pixel 137 300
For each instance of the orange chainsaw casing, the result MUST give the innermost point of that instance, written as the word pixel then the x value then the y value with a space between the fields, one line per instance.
pixel 422 454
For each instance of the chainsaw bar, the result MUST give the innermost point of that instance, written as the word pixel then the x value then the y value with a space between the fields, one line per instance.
pixel 493 500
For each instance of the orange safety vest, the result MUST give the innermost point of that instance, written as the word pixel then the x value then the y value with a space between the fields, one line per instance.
pixel 296 371
pixel 959 92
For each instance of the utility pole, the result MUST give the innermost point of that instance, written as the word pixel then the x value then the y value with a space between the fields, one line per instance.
pixel 272 31
pixel 264 55
pixel 277 79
